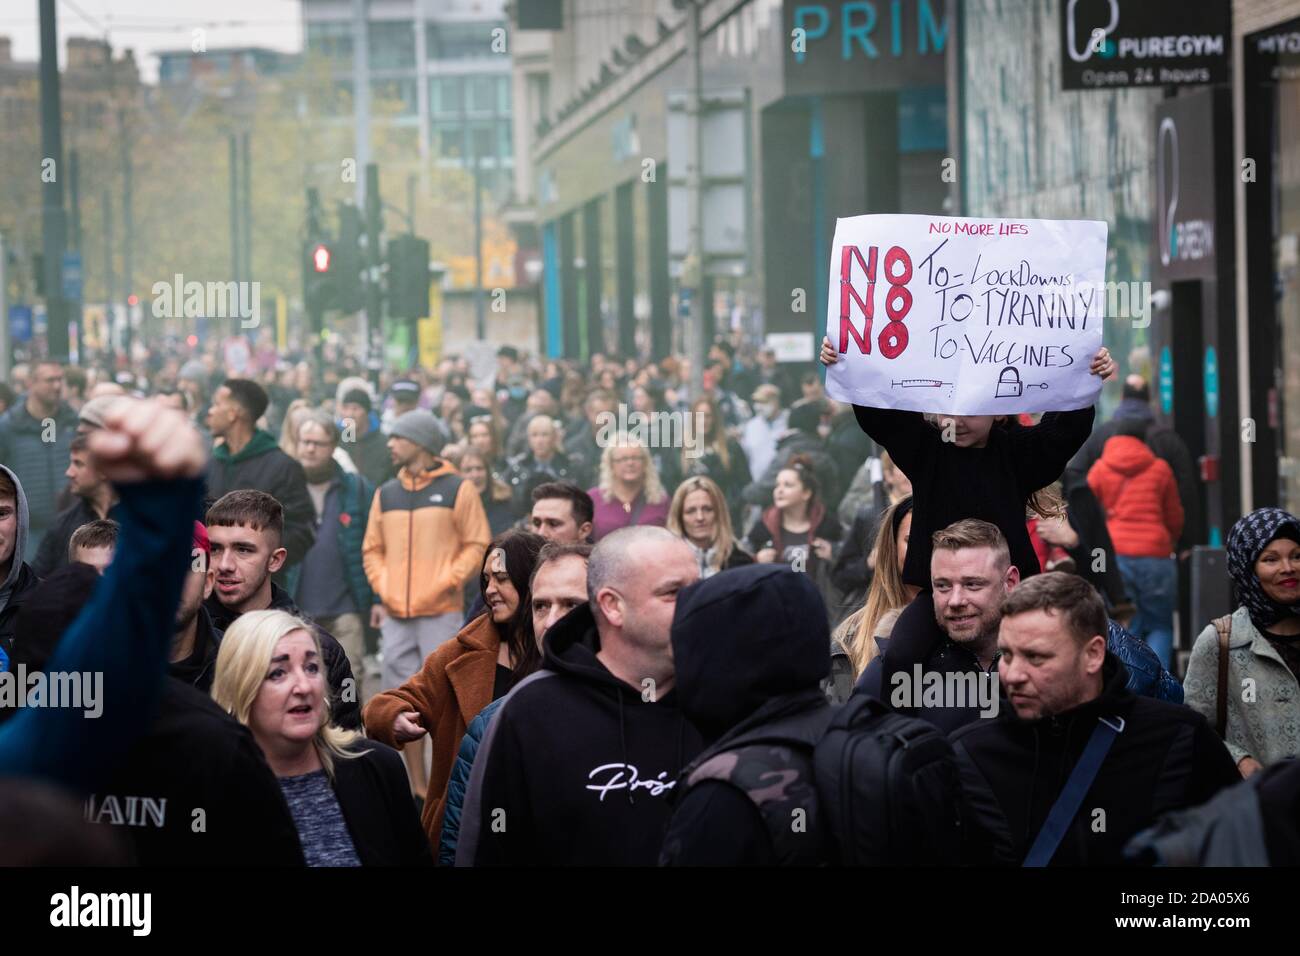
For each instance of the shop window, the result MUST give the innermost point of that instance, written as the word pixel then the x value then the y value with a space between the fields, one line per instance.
pixel 481 94
pixel 392 45
pixel 447 95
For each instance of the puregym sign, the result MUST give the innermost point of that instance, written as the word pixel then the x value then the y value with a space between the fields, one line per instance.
pixel 1119 43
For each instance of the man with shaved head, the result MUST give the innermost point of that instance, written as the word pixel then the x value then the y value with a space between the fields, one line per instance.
pixel 580 760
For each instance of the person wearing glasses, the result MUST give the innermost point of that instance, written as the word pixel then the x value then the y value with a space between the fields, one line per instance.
pixel 330 584
pixel 630 492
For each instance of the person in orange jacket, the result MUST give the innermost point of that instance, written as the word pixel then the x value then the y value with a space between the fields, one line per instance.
pixel 1144 516
pixel 425 538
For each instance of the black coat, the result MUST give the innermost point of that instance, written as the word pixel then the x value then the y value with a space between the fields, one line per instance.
pixel 375 797
pixel 195 790
pixel 524 473
pixel 1012 770
pixel 53 551
pixel 345 691
pixel 281 477
pixel 992 483
pixel 197 669
pixel 23 586
pixel 1088 520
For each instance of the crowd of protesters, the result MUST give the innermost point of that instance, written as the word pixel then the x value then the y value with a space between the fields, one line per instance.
pixel 560 612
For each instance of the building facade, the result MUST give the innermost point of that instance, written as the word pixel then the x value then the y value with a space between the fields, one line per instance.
pixel 439 74
pixel 849 120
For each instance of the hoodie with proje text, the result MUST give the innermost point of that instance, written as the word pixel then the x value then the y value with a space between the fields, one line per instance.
pixel 577 766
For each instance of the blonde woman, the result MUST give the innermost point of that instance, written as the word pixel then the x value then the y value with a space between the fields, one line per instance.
pixel 349 800
pixel 629 492
pixel 711 452
pixel 293 416
pixel 887 596
pixel 698 513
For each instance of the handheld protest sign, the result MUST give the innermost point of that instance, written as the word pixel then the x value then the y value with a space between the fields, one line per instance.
pixel 966 316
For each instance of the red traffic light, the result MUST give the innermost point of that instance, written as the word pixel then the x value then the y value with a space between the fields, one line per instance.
pixel 133 299
pixel 320 257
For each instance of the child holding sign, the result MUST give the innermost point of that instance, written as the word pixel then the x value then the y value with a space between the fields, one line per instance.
pixel 975 466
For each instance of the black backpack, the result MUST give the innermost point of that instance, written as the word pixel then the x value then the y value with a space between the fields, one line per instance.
pixel 875 788
pixel 888 788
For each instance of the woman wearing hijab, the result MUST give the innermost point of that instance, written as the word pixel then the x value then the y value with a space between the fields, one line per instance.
pixel 1257 708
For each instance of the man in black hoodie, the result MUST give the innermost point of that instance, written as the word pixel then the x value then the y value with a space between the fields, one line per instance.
pixel 245 529
pixel 1063 687
pixel 750 648
pixel 577 765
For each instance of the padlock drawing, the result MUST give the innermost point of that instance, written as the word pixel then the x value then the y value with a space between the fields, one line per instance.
pixel 1009 384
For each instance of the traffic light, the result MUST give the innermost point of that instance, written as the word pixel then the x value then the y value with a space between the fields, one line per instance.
pixel 349 260
pixel 408 277
pixel 317 278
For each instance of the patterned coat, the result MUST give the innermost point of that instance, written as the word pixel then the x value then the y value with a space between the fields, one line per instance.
pixel 1264 714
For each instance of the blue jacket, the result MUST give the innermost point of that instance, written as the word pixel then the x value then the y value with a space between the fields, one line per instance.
pixel 1147 677
pixel 123 633
pixel 459 782
pixel 356 494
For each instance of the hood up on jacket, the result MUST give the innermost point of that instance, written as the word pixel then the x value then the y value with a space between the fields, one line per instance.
pixel 571 645
pixel 20 538
pixel 744 637
pixel 1127 455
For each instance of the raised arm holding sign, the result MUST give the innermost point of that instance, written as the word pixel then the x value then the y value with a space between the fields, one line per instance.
pixel 973 321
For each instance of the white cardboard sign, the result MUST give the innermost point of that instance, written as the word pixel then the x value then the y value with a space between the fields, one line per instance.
pixel 966 316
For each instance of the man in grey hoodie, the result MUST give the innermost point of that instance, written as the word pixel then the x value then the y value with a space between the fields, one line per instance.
pixel 17 578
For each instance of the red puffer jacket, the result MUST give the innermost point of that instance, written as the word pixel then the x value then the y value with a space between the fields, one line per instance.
pixel 1140 497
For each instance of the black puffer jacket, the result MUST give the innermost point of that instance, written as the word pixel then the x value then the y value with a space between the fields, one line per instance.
pixel 1166 758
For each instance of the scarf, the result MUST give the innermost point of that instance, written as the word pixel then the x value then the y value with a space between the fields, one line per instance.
pixel 1246 541
pixel 704 557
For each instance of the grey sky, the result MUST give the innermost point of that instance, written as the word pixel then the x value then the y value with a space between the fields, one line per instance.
pixel 150 25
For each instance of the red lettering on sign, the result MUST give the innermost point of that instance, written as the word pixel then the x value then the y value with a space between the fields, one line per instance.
pixel 849 294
